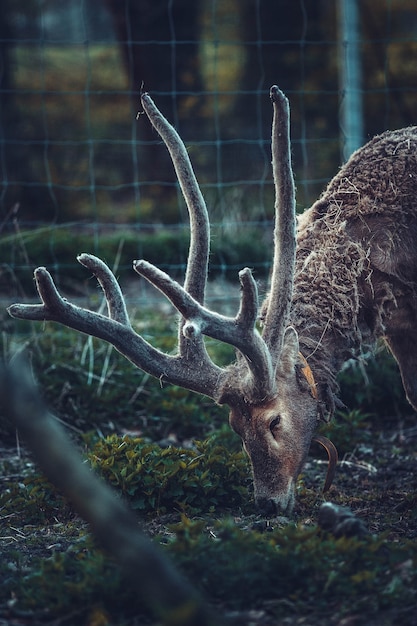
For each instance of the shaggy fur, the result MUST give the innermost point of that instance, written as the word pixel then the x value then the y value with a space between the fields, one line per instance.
pixel 356 265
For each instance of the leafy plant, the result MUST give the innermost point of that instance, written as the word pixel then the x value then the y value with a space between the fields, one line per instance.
pixel 35 500
pixel 347 429
pixel 81 583
pixel 206 478
pixel 293 565
pixel 373 386
pixel 287 569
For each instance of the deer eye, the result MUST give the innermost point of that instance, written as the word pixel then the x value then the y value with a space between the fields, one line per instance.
pixel 274 423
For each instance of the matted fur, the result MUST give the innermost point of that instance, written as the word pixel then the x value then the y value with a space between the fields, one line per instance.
pixel 356 256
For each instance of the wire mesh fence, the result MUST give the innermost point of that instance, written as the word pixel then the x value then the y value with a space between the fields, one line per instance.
pixel 79 167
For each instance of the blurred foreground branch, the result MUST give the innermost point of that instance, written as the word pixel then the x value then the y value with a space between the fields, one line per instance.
pixel 161 587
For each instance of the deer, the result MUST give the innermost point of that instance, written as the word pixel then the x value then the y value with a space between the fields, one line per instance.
pixel 343 278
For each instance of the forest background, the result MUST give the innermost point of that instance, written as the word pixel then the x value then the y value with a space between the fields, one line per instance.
pixel 76 162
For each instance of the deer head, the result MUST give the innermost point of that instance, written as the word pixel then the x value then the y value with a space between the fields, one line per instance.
pixel 269 388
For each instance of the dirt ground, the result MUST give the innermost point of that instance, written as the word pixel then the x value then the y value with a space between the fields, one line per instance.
pixel 376 480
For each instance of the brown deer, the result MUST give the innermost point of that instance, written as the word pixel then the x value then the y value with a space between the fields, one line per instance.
pixel 354 279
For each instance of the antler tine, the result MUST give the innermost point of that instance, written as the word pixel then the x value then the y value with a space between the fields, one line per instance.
pixel 198 254
pixel 284 235
pixel 115 301
pixel 117 330
pixel 197 265
pixel 238 331
pixel 54 306
pixel 241 333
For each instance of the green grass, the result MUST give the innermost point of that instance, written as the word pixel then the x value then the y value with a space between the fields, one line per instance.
pixel 90 385
pixel 56 248
pixel 197 498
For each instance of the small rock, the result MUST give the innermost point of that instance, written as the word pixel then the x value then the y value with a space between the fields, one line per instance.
pixel 340 521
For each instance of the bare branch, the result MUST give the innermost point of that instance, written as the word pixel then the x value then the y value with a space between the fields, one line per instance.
pixel 284 235
pixel 160 586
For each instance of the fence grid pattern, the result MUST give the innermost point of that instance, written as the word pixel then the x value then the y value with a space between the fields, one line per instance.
pixel 73 153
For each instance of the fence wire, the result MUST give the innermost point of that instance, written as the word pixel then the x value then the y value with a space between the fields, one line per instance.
pixel 74 158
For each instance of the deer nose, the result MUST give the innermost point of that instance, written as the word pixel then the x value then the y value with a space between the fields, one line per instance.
pixel 267 506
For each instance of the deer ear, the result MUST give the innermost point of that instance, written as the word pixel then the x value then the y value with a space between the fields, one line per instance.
pixel 290 351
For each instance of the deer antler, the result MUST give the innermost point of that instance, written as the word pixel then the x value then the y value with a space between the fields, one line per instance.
pixel 192 368
pixel 116 329
pixel 276 424
pixel 197 265
pixel 279 300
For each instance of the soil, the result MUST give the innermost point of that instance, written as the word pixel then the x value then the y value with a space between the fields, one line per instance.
pixel 376 480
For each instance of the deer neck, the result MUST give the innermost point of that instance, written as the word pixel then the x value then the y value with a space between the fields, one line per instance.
pixel 325 352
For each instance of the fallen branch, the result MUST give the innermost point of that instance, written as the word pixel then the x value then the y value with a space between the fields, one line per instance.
pixel 169 597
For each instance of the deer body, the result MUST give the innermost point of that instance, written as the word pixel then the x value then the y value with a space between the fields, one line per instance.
pixel 353 279
pixel 356 265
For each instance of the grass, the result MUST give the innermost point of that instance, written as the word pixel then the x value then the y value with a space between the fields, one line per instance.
pixel 57 248
pixel 194 499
